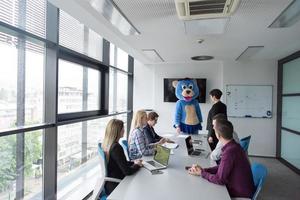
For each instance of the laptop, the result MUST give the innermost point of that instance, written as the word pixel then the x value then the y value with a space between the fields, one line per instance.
pixel 190 147
pixel 160 160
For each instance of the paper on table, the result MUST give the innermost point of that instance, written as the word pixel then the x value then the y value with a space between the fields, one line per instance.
pixel 167 135
pixel 182 136
pixel 170 145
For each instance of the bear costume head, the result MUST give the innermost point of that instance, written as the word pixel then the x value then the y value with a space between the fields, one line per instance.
pixel 186 89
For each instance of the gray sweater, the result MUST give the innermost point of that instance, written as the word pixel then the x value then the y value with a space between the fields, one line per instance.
pixel 216 153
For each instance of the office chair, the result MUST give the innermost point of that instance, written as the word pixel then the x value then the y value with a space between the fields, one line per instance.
pixel 259 173
pixel 124 143
pixel 99 191
pixel 244 142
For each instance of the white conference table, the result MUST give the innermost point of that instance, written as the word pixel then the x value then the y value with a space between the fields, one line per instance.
pixel 175 183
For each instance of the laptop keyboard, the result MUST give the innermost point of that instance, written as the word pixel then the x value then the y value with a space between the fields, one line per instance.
pixel 196 153
pixel 154 164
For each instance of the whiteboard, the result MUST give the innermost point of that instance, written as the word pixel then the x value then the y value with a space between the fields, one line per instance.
pixel 249 100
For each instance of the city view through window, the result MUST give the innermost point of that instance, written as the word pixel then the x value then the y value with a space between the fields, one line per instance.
pixel 22 103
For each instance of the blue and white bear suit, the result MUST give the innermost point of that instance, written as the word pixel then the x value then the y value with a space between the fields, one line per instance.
pixel 187 114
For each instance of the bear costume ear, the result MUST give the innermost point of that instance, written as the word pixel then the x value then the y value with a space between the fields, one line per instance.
pixel 174 83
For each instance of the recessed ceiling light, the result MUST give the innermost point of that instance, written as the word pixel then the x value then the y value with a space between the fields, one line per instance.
pixel 115 16
pixel 200 58
pixel 249 52
pixel 205 26
pixel 200 41
pixel 153 55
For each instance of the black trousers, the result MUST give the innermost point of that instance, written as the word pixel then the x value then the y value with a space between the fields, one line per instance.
pixel 215 140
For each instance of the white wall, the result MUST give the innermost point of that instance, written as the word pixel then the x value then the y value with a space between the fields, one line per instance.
pixel 149 87
pixel 263 131
pixel 148 93
pixel 143 97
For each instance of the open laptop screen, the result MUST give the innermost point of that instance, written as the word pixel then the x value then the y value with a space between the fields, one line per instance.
pixel 162 155
pixel 189 144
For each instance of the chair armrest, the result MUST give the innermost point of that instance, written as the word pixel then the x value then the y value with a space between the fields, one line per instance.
pixel 115 180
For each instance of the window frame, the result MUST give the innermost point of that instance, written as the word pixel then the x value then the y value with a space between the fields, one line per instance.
pixel 280 96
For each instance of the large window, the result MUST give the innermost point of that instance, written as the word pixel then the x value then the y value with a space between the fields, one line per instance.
pixel 56 98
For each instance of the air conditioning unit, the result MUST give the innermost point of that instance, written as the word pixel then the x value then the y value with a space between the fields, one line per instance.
pixel 205 9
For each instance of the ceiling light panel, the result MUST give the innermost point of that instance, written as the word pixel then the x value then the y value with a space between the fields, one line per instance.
pixel 205 26
pixel 288 17
pixel 153 55
pixel 115 16
pixel 249 52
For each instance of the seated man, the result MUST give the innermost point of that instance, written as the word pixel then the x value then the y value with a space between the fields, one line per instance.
pixel 234 170
pixel 216 153
pixel 151 135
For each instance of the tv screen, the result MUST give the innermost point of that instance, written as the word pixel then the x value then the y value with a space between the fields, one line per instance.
pixel 169 90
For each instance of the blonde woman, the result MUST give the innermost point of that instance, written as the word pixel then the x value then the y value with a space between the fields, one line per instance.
pixel 138 143
pixel 117 165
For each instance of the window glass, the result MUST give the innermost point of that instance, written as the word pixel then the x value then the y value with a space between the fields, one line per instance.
pixel 118 89
pixel 290 147
pixel 8 84
pixel 8 167
pixel 118 58
pixel 32 166
pixel 34 87
pixel 95 134
pixel 74 35
pixel 291 73
pixel 29 15
pixel 122 59
pixel 112 54
pixel 290 112
pixel 21 76
pixel 78 167
pixel 79 92
pixel 93 89
pixel 95 45
pixel 70 93
pixel 122 85
pixel 112 91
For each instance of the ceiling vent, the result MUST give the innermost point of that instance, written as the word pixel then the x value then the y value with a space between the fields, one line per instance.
pixel 205 9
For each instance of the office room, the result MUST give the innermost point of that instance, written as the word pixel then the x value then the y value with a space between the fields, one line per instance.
pixel 94 92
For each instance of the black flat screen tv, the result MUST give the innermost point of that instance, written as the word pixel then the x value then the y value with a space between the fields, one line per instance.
pixel 169 90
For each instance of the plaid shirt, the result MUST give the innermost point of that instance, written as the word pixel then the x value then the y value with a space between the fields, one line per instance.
pixel 138 145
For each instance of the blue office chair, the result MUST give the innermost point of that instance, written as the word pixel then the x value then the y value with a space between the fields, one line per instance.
pixel 99 190
pixel 259 173
pixel 124 143
pixel 244 142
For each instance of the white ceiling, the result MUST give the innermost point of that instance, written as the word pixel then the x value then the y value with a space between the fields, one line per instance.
pixel 162 30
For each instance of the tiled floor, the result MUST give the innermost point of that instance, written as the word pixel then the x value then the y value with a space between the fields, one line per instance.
pixel 281 182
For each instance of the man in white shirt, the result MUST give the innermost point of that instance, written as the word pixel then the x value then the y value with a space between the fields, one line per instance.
pixel 216 153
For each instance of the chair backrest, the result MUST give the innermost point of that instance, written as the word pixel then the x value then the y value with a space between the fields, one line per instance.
pixel 244 142
pixel 102 174
pixel 259 173
pixel 124 143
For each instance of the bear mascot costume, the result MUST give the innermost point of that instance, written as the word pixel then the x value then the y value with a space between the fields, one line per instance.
pixel 188 116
